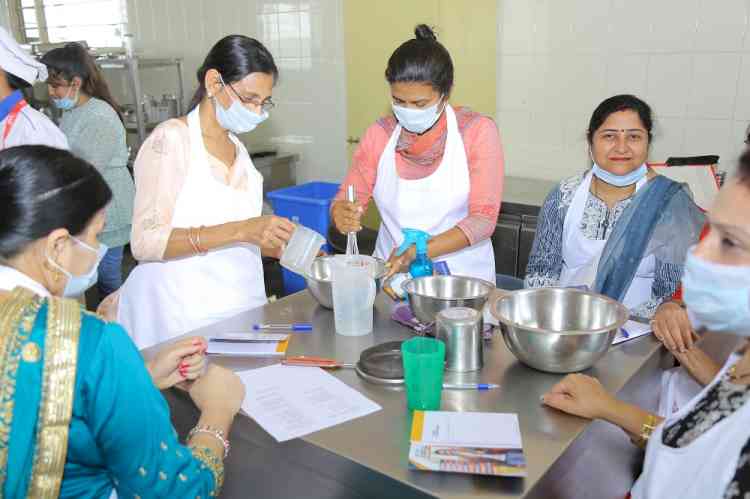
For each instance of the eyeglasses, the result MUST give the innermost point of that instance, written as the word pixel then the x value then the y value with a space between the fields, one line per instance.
pixel 265 105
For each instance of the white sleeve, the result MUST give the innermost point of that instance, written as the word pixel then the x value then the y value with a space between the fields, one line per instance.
pixel 34 128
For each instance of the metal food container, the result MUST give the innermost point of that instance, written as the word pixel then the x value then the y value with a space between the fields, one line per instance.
pixel 558 330
pixel 460 328
pixel 429 295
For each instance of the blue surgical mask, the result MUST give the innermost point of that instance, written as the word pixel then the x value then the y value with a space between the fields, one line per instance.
pixel 78 284
pixel 620 180
pixel 237 119
pixel 66 103
pixel 417 120
pixel 717 296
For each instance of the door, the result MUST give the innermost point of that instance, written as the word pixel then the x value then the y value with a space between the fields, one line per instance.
pixel 373 30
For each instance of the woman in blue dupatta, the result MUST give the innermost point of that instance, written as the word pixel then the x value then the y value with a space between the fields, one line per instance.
pixel 618 228
pixel 80 413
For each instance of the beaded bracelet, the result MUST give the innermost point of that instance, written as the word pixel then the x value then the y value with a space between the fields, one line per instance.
pixel 218 434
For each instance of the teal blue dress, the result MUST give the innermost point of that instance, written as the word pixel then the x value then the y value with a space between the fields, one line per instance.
pixel 119 435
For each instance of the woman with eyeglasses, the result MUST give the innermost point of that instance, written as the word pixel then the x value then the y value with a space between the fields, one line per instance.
pixel 429 166
pixel 197 230
pixel 617 228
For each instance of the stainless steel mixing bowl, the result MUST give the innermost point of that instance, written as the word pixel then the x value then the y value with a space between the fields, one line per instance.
pixel 558 330
pixel 320 284
pixel 429 295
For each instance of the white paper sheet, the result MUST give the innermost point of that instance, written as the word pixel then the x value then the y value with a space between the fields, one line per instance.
pixel 290 402
pixel 471 429
pixel 632 329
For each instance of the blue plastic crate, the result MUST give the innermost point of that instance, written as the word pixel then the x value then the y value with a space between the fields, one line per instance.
pixel 308 204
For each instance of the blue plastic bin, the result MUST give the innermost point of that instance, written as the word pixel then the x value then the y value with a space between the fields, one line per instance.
pixel 309 204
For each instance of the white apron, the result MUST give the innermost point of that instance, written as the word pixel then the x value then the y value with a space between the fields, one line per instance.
pixel 702 469
pixel 678 388
pixel 161 300
pixel 581 255
pixel 433 204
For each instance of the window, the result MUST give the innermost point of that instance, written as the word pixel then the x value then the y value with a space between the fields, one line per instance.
pixel 100 23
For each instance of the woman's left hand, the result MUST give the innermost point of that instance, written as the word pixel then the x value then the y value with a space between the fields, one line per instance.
pixel 580 395
pixel 181 361
pixel 400 264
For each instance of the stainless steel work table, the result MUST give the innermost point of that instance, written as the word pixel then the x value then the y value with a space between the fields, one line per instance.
pixel 367 457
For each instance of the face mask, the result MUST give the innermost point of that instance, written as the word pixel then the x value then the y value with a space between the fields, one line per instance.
pixel 237 119
pixel 66 103
pixel 717 296
pixel 417 120
pixel 620 180
pixel 78 284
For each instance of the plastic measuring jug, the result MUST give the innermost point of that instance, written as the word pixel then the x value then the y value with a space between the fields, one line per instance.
pixel 301 250
pixel 353 294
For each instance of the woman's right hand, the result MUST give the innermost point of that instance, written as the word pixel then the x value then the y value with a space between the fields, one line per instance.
pixel 672 327
pixel 347 216
pixel 268 231
pixel 219 390
pixel 580 395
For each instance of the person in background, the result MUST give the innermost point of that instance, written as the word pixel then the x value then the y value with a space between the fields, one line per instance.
pixel 618 228
pixel 95 130
pixel 703 450
pixel 197 230
pixel 81 414
pixel 20 124
pixel 429 166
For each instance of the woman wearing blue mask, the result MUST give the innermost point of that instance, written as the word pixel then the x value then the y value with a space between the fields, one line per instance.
pixel 198 232
pixel 92 123
pixel 703 450
pixel 74 390
pixel 618 228
pixel 428 166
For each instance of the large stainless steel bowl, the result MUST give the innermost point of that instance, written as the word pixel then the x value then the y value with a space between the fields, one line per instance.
pixel 429 295
pixel 320 284
pixel 558 330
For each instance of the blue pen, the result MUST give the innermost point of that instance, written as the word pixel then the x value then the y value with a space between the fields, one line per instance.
pixel 298 326
pixel 470 386
pixel 625 334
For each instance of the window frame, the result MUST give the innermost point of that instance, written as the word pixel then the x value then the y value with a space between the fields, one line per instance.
pixel 18 27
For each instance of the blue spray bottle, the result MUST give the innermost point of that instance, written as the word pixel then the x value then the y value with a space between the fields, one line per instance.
pixel 422 265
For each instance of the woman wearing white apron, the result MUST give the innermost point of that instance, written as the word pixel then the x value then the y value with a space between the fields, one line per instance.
pixel 197 228
pixel 703 450
pixel 430 167
pixel 619 228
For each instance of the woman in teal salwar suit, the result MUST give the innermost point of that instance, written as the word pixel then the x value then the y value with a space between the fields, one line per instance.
pixel 80 413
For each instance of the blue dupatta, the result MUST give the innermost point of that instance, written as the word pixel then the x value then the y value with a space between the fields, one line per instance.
pixel 662 219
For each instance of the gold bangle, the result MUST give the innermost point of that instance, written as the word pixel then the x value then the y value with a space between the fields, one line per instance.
pixel 198 241
pixel 648 428
pixel 192 242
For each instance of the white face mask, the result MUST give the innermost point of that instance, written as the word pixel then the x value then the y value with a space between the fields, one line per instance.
pixel 237 119
pixel 78 284
pixel 417 120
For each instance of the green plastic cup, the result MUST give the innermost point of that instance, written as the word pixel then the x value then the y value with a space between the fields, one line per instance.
pixel 424 362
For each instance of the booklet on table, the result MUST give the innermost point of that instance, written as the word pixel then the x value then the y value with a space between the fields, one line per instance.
pixel 479 443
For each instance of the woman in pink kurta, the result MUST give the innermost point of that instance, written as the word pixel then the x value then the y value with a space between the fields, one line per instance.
pixel 429 166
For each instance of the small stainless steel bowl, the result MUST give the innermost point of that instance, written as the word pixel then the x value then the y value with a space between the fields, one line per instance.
pixel 558 330
pixel 430 295
pixel 320 284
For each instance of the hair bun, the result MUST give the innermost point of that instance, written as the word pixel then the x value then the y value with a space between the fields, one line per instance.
pixel 424 32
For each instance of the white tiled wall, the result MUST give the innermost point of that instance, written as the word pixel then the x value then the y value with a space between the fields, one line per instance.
pixel 306 40
pixel 689 59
